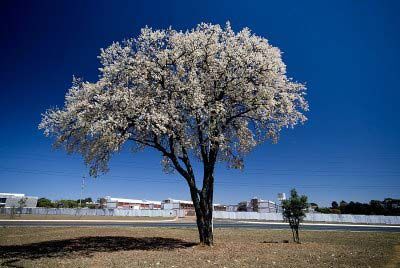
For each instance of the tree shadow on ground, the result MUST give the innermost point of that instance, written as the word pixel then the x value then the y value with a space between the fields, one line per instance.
pixel 86 246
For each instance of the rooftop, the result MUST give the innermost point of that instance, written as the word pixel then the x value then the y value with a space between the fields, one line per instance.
pixel 132 201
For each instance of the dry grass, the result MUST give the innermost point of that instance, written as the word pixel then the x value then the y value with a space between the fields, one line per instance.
pixel 168 247
pixel 68 217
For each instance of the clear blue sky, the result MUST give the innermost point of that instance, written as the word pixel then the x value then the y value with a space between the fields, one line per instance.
pixel 346 51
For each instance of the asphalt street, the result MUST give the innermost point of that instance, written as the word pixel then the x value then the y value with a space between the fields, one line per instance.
pixel 217 224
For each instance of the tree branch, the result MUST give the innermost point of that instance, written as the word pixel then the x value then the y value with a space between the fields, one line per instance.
pixel 187 174
pixel 203 149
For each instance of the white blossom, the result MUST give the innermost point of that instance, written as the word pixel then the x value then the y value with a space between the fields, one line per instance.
pixel 185 91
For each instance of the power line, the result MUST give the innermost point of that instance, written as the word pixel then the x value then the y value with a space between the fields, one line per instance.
pixel 51 172
pixel 40 156
pixel 278 172
pixel 224 183
pixel 260 171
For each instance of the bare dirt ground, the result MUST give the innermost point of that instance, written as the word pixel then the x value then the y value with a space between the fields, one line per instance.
pixel 168 247
pixel 67 217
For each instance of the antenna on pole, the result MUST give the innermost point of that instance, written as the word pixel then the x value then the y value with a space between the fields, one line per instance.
pixel 281 197
pixel 82 188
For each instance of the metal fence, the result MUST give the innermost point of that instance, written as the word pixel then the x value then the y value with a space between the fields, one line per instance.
pixel 349 218
pixel 311 217
pixel 95 212
pixel 248 216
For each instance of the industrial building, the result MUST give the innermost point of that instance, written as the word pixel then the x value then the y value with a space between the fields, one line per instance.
pixel 256 205
pixel 259 205
pixel 253 205
pixel 232 208
pixel 115 202
pixel 186 205
pixel 177 204
pixel 9 200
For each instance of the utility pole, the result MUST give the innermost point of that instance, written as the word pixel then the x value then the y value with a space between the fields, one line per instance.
pixel 281 197
pixel 82 188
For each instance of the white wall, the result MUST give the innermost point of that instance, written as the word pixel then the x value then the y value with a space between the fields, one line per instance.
pixel 311 217
pixel 96 212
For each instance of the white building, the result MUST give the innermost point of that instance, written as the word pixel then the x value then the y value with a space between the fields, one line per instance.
pixel 116 202
pixel 14 200
pixel 186 205
pixel 232 208
pixel 257 205
pixel 262 206
pixel 177 204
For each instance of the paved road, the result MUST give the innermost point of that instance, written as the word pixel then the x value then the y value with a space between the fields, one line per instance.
pixel 217 224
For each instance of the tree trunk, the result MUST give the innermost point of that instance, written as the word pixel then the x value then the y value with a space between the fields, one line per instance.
pixel 205 229
pixel 203 205
pixel 202 199
pixel 204 221
pixel 294 237
pixel 297 235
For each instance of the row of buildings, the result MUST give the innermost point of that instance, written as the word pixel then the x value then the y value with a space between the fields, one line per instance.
pixel 108 202
pixel 124 203
pixel 253 205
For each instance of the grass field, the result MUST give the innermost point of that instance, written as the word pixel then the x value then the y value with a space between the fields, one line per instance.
pixel 168 247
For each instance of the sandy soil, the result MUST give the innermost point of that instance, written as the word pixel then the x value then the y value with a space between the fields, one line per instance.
pixel 168 247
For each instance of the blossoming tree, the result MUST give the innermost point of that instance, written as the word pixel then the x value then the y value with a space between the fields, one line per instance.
pixel 208 95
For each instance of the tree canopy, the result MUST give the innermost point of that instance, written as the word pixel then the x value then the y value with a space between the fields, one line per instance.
pixel 388 207
pixel 206 86
pixel 44 202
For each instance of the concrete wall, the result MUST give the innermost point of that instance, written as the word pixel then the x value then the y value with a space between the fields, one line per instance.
pixel 97 212
pixel 248 216
pixel 348 218
pixel 311 217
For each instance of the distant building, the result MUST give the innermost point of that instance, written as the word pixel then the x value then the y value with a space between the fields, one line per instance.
pixel 256 205
pixel 187 206
pixel 262 206
pixel 244 206
pixel 13 200
pixel 281 196
pixel 312 207
pixel 116 202
pixel 177 204
pixel 232 208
